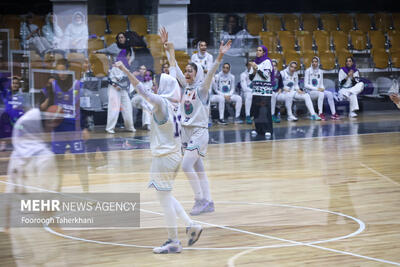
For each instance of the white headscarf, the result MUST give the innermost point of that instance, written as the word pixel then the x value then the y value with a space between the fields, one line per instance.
pixel 287 68
pixel 199 53
pixel 319 63
pixel 169 89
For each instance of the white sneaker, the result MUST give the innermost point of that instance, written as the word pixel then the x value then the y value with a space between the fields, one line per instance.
pixel 352 114
pixel 193 232
pixel 292 118
pixel 169 247
pixel 132 130
pixel 110 131
pixel 253 133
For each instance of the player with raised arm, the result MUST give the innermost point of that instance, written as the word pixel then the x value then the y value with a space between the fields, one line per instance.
pixel 165 145
pixel 195 110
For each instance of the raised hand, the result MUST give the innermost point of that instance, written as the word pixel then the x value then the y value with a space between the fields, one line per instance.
pixel 163 35
pixel 169 46
pixel 223 48
pixel 120 65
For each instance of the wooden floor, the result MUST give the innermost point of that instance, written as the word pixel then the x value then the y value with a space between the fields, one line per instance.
pixel 318 202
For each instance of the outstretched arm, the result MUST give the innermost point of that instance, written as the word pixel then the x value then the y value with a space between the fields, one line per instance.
pixel 157 101
pixel 223 48
pixel 175 71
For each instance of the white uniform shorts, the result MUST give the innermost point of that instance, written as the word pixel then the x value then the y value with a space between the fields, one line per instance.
pixel 163 171
pixel 195 138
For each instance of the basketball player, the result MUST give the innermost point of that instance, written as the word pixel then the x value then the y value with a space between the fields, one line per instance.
pixel 247 92
pixel 195 109
pixel 350 85
pixel 165 146
pixel 314 84
pixel 290 80
pixel 224 85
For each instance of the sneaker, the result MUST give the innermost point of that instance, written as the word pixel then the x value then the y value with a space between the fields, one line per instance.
pixel 253 133
pixel 315 117
pixel 193 232
pixel 146 127
pixel 276 119
pixel 169 247
pixel 352 114
pixel 210 207
pixel 209 122
pixel 322 116
pixel 267 135
pixel 199 206
pixel 132 130
pixel 292 118
pixel 238 121
pixel 335 117
pixel 249 120
pixel 110 131
pixel 222 122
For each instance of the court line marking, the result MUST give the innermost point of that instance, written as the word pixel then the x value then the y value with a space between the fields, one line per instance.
pixel 359 230
pixel 248 142
pixel 294 243
pixel 390 180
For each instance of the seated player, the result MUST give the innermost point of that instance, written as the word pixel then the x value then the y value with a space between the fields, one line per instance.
pixel 247 92
pixel 350 86
pixel 224 85
pixel 314 84
pixel 278 94
pixel 290 80
pixel 165 145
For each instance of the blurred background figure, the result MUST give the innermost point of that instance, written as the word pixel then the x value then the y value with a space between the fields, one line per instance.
pixel 31 38
pixel 15 106
pixel 234 31
pixel 138 102
pixel 76 34
pixel 33 165
pixel 118 97
pixel 51 31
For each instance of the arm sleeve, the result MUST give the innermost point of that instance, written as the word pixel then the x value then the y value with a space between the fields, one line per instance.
pixel 208 80
pixel 233 86
pixel 209 62
pixel 160 110
pixel 243 82
pixel 252 74
pixel 342 77
pixel 296 85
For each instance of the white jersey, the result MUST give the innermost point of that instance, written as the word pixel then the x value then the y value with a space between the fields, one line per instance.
pixel 194 110
pixel 206 61
pixel 165 135
pixel 290 82
pixel 313 79
pixel 224 84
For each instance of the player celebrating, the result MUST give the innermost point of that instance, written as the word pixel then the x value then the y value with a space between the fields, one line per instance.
pixel 165 146
pixel 195 109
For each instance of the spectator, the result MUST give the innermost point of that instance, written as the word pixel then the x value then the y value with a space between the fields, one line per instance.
pixel 350 86
pixel 31 38
pixel 76 33
pixel 118 97
pixel 51 31
pixel 239 36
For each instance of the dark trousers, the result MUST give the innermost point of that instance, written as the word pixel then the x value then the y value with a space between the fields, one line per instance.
pixel 261 111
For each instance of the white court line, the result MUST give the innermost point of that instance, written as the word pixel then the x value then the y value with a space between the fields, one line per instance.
pixel 379 174
pixel 237 230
